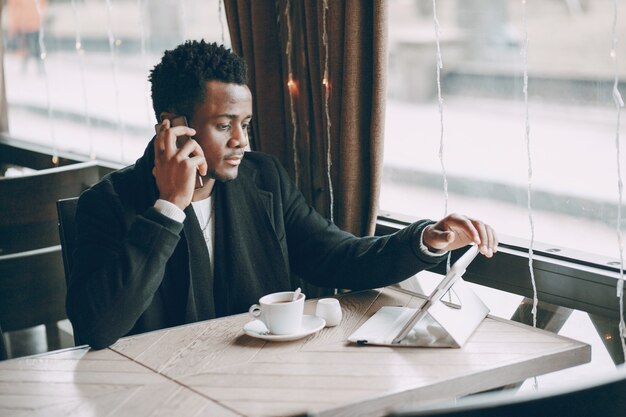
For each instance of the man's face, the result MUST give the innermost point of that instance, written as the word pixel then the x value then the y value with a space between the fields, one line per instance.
pixel 221 124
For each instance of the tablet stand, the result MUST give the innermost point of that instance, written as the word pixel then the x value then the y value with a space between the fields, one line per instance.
pixel 459 321
pixel 444 324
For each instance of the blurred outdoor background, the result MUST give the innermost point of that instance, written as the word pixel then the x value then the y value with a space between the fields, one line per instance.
pixel 91 96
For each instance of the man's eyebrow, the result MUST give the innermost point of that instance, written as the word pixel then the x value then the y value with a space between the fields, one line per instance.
pixel 232 116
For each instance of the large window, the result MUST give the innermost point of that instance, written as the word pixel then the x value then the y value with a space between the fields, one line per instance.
pixel 573 124
pixel 90 93
pixel 80 84
pixel 571 113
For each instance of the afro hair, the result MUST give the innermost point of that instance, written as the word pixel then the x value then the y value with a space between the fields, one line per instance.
pixel 179 80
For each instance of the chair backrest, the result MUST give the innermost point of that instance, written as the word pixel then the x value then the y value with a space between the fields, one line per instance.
pixel 600 398
pixel 32 288
pixel 66 210
pixel 32 276
pixel 28 213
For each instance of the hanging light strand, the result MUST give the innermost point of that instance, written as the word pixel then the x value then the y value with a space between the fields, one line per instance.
pixel 441 128
pixel 182 18
pixel 220 13
pixel 80 52
pixel 440 106
pixel 113 44
pixel 326 87
pixel 292 89
pixel 43 55
pixel 146 64
pixel 619 103
pixel 531 222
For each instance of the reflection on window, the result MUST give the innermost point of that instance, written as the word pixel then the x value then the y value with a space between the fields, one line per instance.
pixel 572 117
pixel 91 95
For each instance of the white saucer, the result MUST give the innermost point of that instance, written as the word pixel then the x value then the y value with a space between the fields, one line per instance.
pixel 310 325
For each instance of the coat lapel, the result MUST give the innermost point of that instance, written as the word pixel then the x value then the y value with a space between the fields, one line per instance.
pixel 246 246
pixel 249 261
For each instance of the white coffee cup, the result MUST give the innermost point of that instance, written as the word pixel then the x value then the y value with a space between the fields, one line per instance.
pixel 279 312
pixel 330 310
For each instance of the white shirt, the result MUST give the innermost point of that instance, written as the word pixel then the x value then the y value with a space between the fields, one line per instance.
pixel 204 212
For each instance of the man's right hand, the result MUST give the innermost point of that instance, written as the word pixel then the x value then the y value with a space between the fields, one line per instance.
pixel 175 169
pixel 455 231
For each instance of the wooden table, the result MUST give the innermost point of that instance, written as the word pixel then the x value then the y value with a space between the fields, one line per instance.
pixel 212 368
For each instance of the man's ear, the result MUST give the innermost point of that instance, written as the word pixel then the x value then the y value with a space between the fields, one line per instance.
pixel 166 115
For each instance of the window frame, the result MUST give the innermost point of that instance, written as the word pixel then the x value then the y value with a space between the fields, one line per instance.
pixel 561 279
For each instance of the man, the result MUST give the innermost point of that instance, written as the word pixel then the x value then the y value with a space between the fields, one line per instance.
pixel 154 251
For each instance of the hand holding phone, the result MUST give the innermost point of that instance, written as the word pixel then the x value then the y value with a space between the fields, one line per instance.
pixel 180 142
pixel 176 170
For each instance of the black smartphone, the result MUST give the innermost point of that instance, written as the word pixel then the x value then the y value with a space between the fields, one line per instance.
pixel 180 141
pixel 180 121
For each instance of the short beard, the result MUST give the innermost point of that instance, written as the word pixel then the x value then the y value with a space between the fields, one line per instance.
pixel 222 178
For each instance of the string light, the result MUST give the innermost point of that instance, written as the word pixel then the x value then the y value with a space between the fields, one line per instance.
pixel 524 53
pixel 182 17
pixel 44 67
pixel 326 85
pixel 291 85
pixel 441 126
pixel 220 12
pixel 292 89
pixel 530 178
pixel 144 57
pixel 114 70
pixel 440 107
pixel 619 103
pixel 81 52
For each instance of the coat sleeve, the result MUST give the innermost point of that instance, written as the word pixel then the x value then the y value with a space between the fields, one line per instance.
pixel 118 266
pixel 326 256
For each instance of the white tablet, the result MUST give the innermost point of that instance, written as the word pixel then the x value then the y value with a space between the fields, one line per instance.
pixel 390 326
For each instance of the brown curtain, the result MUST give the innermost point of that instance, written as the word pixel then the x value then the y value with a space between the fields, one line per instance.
pixel 356 97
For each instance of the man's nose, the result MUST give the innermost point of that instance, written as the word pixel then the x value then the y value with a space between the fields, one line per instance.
pixel 239 138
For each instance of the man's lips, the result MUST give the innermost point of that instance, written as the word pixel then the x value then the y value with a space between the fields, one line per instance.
pixel 233 160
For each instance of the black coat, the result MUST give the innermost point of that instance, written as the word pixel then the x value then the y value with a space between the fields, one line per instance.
pixel 136 270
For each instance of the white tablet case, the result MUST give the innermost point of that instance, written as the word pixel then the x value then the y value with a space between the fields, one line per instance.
pixel 444 324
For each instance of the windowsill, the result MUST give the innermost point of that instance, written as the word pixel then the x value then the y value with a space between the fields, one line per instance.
pixel 565 278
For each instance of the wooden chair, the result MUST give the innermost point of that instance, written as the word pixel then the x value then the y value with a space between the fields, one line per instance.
pixel 32 276
pixel 28 214
pixel 600 398
pixel 32 290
